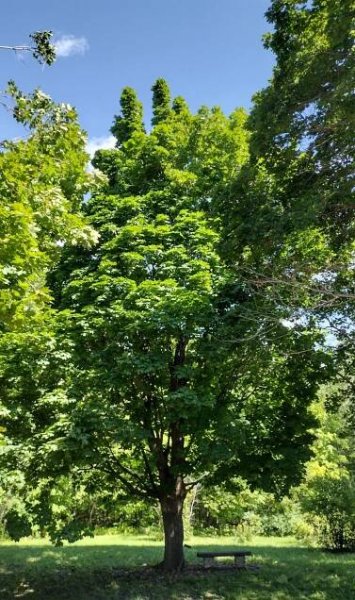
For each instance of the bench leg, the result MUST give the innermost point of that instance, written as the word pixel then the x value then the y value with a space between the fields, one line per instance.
pixel 208 562
pixel 239 562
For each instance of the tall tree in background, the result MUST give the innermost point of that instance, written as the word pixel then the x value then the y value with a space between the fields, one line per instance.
pixel 299 246
pixel 302 123
pixel 165 373
pixel 43 181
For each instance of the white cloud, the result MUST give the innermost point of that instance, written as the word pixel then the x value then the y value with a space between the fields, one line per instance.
pixel 68 45
pixel 100 143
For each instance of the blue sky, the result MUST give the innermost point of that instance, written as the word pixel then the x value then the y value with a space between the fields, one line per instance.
pixel 210 51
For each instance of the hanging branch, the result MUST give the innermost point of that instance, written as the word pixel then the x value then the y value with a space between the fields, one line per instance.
pixel 41 49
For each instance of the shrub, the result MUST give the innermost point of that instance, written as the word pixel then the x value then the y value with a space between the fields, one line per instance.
pixel 330 502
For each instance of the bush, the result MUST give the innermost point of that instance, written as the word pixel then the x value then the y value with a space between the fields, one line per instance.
pixel 11 485
pixel 243 512
pixel 278 517
pixel 327 495
pixel 218 510
pixel 305 530
pixel 329 501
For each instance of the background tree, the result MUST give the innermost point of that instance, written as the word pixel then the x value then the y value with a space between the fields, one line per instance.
pixel 42 185
pixel 161 374
pixel 298 183
pixel 43 181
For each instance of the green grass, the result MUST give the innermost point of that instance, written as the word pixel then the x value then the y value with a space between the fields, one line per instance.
pixel 107 568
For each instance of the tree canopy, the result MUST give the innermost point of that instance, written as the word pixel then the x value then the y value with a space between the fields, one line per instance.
pixel 43 181
pixel 298 184
pixel 177 306
pixel 161 374
pixel 42 185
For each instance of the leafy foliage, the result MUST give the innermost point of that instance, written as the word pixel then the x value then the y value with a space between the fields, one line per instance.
pixel 158 369
pixel 299 245
pixel 237 510
pixel 183 342
pixel 161 101
pixel 328 493
pixel 43 50
pixel 42 185
pixel 40 48
pixel 131 119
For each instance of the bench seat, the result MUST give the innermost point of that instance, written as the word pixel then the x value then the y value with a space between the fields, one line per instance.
pixel 238 555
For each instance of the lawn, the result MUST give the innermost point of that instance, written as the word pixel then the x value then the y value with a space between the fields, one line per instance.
pixel 110 567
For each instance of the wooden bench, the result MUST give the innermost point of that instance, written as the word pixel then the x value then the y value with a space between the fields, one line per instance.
pixel 239 558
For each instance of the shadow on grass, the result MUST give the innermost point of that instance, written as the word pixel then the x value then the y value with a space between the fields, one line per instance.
pixel 113 572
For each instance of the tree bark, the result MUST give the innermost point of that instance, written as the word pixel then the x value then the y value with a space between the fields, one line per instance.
pixel 172 513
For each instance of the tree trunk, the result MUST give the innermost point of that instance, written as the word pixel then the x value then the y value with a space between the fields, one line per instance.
pixel 172 509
